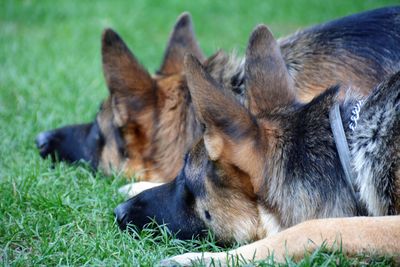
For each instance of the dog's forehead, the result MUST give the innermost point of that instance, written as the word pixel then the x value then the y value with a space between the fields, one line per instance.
pixel 172 84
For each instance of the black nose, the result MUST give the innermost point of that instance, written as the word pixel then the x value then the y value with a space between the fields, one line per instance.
pixel 43 141
pixel 120 214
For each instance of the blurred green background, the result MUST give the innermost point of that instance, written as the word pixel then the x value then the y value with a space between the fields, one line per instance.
pixel 50 75
pixel 50 57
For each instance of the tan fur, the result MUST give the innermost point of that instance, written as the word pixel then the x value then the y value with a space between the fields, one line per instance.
pixel 110 159
pixel 248 158
pixel 243 223
pixel 156 139
pixel 315 73
pixel 380 235
pixel 214 145
pixel 173 134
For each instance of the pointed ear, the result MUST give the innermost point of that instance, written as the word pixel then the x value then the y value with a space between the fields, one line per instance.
pixel 217 61
pixel 122 71
pixel 130 85
pixel 231 131
pixel 268 83
pixel 182 41
pixel 217 109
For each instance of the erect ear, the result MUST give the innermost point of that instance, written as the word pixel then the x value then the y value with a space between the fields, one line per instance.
pixel 268 83
pixel 216 63
pixel 182 41
pixel 231 131
pixel 130 85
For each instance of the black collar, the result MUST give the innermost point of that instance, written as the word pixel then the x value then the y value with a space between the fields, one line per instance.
pixel 342 147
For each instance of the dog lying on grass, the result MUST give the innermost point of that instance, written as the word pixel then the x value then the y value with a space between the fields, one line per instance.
pixel 355 235
pixel 262 170
pixel 147 123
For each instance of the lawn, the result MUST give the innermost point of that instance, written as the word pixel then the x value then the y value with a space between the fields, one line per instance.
pixel 50 75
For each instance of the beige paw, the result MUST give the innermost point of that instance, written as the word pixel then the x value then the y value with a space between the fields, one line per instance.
pixel 133 189
pixel 188 259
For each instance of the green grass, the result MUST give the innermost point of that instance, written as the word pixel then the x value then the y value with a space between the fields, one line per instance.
pixel 50 75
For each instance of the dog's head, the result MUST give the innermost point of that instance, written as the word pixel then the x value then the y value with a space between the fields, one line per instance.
pixel 220 186
pixel 146 125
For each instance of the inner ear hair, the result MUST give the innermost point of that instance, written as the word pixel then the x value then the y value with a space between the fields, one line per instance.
pixel 214 144
pixel 120 112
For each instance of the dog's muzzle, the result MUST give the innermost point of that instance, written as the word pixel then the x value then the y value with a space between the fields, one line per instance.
pixel 43 141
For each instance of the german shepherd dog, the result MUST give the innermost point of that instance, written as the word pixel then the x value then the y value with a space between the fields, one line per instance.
pixel 261 170
pixel 143 127
pixel 147 124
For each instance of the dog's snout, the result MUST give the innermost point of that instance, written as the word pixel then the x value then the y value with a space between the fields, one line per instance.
pixel 42 141
pixel 120 213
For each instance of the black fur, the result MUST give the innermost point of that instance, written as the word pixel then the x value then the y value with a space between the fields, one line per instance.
pixel 170 204
pixel 312 174
pixel 310 163
pixel 375 40
pixel 82 142
pixel 375 146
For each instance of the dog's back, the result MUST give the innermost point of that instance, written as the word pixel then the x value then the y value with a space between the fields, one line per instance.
pixel 375 146
pixel 361 49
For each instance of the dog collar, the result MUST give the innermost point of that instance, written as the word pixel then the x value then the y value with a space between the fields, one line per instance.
pixel 342 146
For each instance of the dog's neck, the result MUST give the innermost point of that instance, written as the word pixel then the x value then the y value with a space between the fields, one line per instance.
pixel 305 169
pixel 342 147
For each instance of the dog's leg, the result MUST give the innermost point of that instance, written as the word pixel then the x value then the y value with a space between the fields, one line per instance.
pixel 380 235
pixel 133 189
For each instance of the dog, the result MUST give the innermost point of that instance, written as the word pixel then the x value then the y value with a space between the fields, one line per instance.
pixel 258 171
pixel 147 124
pixel 142 127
